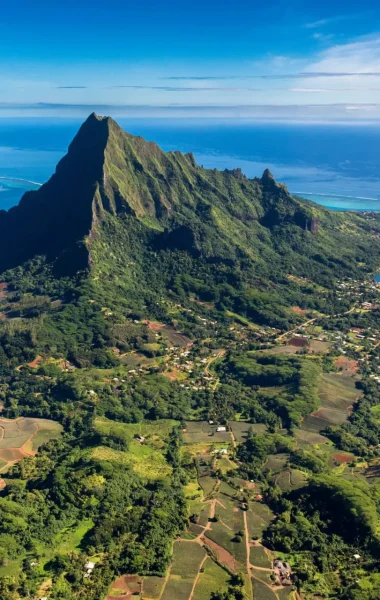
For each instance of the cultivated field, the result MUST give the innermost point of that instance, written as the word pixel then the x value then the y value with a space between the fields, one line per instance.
pixel 22 437
pixel 240 429
pixel 201 432
pixel 337 393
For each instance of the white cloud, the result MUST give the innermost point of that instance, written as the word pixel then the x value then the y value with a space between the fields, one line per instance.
pixel 362 56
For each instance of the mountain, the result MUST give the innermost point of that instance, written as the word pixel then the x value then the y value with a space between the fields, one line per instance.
pixel 108 173
pixel 151 312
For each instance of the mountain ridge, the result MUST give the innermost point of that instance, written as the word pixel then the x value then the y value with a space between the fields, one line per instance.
pixel 107 170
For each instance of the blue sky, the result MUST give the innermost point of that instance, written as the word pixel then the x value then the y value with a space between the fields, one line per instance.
pixel 272 59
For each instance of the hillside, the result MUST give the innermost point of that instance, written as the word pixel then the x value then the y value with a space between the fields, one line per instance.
pixel 188 384
pixel 221 216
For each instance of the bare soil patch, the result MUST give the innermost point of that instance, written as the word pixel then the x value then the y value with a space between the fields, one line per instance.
pixel 299 310
pixel 343 457
pixel 34 364
pixel 299 342
pixel 155 326
pixel 347 365
pixel 125 587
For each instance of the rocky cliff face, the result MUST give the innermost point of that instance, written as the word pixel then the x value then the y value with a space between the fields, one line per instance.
pixel 109 172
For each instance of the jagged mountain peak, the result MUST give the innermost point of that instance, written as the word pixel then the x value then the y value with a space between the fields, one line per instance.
pixel 107 171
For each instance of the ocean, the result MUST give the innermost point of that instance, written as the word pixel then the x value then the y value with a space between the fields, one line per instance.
pixel 337 166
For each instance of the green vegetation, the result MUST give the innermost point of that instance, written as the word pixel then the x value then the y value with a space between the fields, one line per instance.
pixel 129 335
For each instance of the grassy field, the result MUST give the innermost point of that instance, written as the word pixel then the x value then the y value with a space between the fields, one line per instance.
pixel 187 558
pixel 262 592
pixel 276 462
pixel 153 431
pixel 213 579
pixel 201 432
pixel 207 484
pixel 375 410
pixel 286 594
pixel 144 460
pixel 338 392
pixel 152 587
pixel 310 438
pixel 297 478
pixel 259 557
pixel 69 539
pixel 258 518
pixel 240 429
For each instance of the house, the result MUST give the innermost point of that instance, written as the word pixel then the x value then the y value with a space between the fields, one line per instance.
pixel 222 428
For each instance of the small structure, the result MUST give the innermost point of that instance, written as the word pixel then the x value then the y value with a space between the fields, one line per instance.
pixel 221 428
pixel 89 566
pixel 139 438
pixel 220 451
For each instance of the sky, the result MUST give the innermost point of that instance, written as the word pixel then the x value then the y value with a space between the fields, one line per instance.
pixel 284 59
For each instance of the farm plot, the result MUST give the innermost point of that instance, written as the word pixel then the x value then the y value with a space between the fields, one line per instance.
pixel 187 560
pixel 125 587
pixel 291 480
pixel 287 593
pixel 213 579
pixel 175 338
pixel 22 437
pixel 338 392
pixel 207 484
pixel 152 587
pixel 260 557
pixel 258 518
pixel 240 429
pixel 201 432
pixel 308 437
pixel 261 591
pixel 230 522
pixel 276 462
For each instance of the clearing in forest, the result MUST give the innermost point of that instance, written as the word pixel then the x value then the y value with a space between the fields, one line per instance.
pixel 22 437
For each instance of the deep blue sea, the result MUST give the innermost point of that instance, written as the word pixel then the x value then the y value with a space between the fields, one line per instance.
pixel 335 165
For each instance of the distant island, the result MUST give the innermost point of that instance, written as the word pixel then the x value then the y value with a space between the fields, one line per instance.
pixel 189 392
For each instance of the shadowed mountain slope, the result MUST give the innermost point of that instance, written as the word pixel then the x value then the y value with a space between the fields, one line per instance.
pixel 111 177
